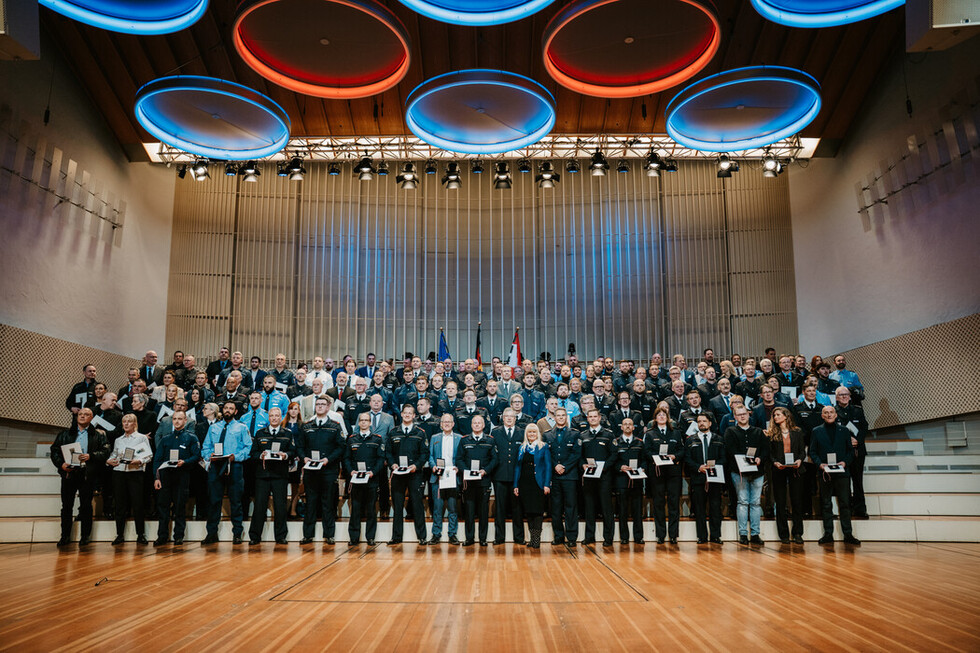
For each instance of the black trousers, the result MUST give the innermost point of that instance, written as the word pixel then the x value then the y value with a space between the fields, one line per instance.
pixel 504 498
pixel 564 510
pixel 105 484
pixel 172 500
pixel 128 490
pixel 321 497
pixel 384 493
pixel 248 490
pixel 598 493
pixel 413 486
pixel 809 491
pixel 477 500
pixel 631 509
pixel 858 504
pixel 838 485
pixel 788 482
pixel 666 492
pixel 199 490
pixel 263 488
pixel 706 504
pixel 72 484
pixel 362 498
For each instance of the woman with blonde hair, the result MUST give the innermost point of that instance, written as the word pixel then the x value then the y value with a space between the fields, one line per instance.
pixel 785 445
pixel 532 481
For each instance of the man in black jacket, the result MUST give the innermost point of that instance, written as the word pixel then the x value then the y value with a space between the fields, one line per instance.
pixel 566 452
pixel 364 458
pixel 745 443
pixel 217 367
pixel 508 438
pixel 629 455
pixel 832 439
pixel 272 451
pixel 699 449
pixel 664 483
pixel 806 414
pixel 79 476
pixel 172 480
pixel 478 448
pixel 852 418
pixel 321 440
pixel 597 446
pixel 406 453
pixel 75 401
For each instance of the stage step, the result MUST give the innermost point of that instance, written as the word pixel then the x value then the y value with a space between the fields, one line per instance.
pixel 909 504
pixel 921 483
pixel 969 463
pixel 894 447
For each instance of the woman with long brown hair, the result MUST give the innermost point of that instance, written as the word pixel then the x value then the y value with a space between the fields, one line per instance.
pixel 787 454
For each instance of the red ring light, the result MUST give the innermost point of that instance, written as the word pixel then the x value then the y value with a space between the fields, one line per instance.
pixel 640 32
pixel 283 41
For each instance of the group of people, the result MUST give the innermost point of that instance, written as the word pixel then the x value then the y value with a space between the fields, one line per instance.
pixel 557 439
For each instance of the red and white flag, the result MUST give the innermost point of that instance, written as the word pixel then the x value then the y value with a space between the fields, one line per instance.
pixel 514 360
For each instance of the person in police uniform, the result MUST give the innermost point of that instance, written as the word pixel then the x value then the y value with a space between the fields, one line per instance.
pixel 321 439
pixel 508 438
pixel 630 491
pixel 478 446
pixel 665 483
pixel 368 448
pixel 173 483
pixel 409 442
pixel 566 452
pixel 271 475
pixel 597 443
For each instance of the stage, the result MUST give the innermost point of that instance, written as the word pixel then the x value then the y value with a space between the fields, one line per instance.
pixel 881 596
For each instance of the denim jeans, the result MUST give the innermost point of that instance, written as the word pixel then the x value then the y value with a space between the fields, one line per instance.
pixel 749 511
pixel 440 504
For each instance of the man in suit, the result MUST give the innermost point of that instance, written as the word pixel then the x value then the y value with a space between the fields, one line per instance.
pixel 442 455
pixel 151 371
pixel 508 438
pixel 321 440
pixel 477 449
pixel 597 446
pixel 493 403
pixel 851 418
pixel 624 410
pixel 370 366
pixel 132 376
pixel 676 400
pixel 507 385
pixel 699 449
pixel 342 390
pixel 381 425
pixel 806 415
pixel 173 482
pixel 690 415
pixel 254 376
pixel 82 477
pixel 721 404
pixel 566 452
pixel 216 367
pixel 407 448
pixel 832 438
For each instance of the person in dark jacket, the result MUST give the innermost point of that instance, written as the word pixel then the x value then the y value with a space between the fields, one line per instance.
pixel 272 452
pixel 78 477
pixel 597 446
pixel 532 481
pixel 365 457
pixel 700 449
pixel 172 478
pixel 566 452
pixel 664 484
pixel 321 440
pixel 406 454
pixel 833 439
pixel 787 452
pixel 747 444
pixel 629 456
pixel 477 449
pixel 508 437
pixel 852 418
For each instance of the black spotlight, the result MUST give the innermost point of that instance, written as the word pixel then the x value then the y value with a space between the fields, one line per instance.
pixel 333 169
pixel 295 170
pixel 571 167
pixel 430 167
pixel 653 165
pixel 451 180
pixel 231 170
pixel 670 165
pixel 623 166
pixel 250 172
pixel 501 176
pixel 383 168
pixel 476 167
pixel 365 169
pixel 547 177
pixel 281 169
pixel 199 171
pixel 771 167
pixel 524 166
pixel 598 165
pixel 408 179
pixel 181 171
pixel 726 167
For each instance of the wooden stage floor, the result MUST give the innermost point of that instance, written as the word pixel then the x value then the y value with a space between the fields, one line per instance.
pixel 882 596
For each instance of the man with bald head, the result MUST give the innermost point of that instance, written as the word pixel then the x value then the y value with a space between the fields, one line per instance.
pixel 151 371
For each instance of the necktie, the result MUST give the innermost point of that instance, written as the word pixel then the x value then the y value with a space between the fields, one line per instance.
pixel 510 433
pixel 251 429
pixel 319 423
pixel 224 430
pixel 663 433
pixel 273 432
pixel 704 448
pixel 266 407
pixel 406 430
pixel 727 405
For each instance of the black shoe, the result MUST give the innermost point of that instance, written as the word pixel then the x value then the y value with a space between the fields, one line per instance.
pixel 64 542
pixel 370 542
pixel 850 539
pixel 639 542
pixel 394 542
pixel 141 540
pixel 660 540
pixel 483 542
pixel 85 541
pixel 758 541
pixel 237 539
pixel 468 543
pixel 435 541
pixel 454 540
pixel 210 539
pixel 701 540
pixel 119 540
pixel 353 543
pixel 252 542
pixel 826 539
pixel 306 540
pixel 716 540
pixel 673 540
pixel 330 540
pixel 784 540
pixel 743 540
pixel 160 541
pixel 587 541
pixel 624 542
pixel 519 543
pixel 423 542
pixel 281 542
pixel 178 541
pixel 607 543
pixel 797 539
pixel 557 541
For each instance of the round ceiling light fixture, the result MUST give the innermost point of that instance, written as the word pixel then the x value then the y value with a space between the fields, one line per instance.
pixel 147 17
pixel 743 108
pixel 476 12
pixel 339 49
pixel 212 117
pixel 822 13
pixel 628 48
pixel 480 111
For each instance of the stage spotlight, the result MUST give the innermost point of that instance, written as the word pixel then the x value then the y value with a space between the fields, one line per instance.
pixel 231 170
pixel 295 169
pixel 670 165
pixel 199 171
pixel 547 177
pixel 726 167
pixel 250 172
pixel 653 164
pixel 623 166
pixel 383 168
pixel 334 169
pixel 408 179
pixel 599 165
pixel 430 167
pixel 524 166
pixel 181 171
pixel 476 167
pixel 501 176
pixel 571 167
pixel 364 169
pixel 281 169
pixel 451 179
pixel 771 167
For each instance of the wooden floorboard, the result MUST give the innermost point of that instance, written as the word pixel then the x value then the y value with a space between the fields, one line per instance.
pixel 880 597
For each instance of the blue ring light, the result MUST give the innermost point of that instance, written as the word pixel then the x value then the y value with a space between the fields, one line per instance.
pixel 147 17
pixel 476 12
pixel 212 118
pixel 822 13
pixel 743 109
pixel 480 111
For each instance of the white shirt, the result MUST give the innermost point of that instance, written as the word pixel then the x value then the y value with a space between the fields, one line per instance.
pixel 140 445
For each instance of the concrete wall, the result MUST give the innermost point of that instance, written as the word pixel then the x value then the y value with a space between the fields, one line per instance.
pixel 912 263
pixel 64 272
